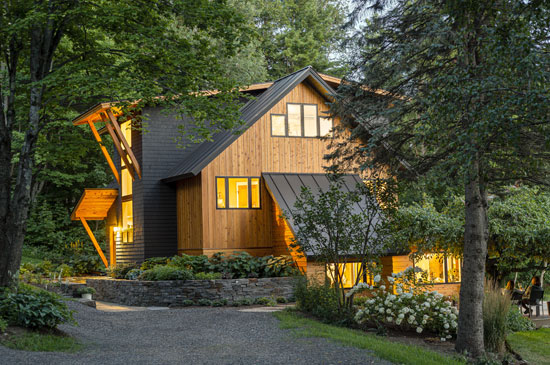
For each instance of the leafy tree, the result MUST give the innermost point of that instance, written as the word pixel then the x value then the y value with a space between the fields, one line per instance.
pixel 465 91
pixel 60 55
pixel 298 33
pixel 332 228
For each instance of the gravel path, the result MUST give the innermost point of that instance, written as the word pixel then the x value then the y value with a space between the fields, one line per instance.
pixel 188 336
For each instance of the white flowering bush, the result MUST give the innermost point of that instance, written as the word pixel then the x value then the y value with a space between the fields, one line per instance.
pixel 408 307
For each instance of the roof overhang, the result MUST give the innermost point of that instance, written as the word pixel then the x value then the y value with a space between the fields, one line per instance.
pixel 94 113
pixel 94 204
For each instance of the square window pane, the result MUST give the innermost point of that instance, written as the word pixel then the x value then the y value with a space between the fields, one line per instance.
pixel 310 121
pixel 220 190
pixel 294 112
pixel 238 192
pixel 127 222
pixel 454 273
pixel 255 190
pixel 278 125
pixel 325 126
pixel 433 266
pixel 126 183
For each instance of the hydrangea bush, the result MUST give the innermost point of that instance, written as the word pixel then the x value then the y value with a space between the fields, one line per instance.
pixel 409 307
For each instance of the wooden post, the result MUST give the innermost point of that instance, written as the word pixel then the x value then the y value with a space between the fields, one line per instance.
pixel 119 149
pixel 94 241
pixel 105 152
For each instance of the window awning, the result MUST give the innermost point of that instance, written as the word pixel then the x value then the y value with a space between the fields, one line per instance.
pixel 94 204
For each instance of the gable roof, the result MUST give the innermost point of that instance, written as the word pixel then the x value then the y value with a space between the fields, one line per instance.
pixel 205 152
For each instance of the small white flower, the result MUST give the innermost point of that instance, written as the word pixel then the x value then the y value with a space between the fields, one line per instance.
pixel 446 326
pixel 419 329
pixel 377 278
pixel 389 319
pixel 398 321
pixel 383 287
pixel 381 310
pixel 442 339
pixel 401 315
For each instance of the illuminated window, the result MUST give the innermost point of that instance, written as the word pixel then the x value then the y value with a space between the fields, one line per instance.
pixel 238 192
pixel 127 222
pixel 278 125
pixel 310 121
pixel 350 272
pixel 439 269
pixel 126 129
pixel 126 183
pixel 294 112
pixel 325 126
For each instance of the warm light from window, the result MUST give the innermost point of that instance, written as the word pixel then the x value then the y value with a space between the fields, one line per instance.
pixel 237 192
pixel 349 271
pixel 127 222
pixel 439 269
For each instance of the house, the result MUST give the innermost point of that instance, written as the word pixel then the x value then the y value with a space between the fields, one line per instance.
pixel 228 194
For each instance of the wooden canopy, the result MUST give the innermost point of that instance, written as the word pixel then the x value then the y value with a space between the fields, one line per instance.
pixel 94 204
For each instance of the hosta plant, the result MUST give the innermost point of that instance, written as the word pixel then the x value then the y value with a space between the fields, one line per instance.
pixel 406 306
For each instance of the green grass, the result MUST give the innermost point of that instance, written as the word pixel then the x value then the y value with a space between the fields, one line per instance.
pixel 385 349
pixel 34 341
pixel 533 346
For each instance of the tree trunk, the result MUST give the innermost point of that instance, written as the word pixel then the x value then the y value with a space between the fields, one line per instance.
pixel 470 318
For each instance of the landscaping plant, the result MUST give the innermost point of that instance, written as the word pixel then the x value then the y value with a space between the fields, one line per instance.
pixel 405 306
pixel 517 322
pixel 166 273
pixel 26 306
pixel 496 308
pixel 318 300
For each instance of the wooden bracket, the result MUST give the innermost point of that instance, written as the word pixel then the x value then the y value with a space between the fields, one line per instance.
pixel 94 241
pixel 104 150
pixel 122 139
pixel 118 147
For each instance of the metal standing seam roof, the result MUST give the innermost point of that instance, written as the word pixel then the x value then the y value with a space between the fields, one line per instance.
pixel 285 188
pixel 205 152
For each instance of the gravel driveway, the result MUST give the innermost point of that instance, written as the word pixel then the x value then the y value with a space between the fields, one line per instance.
pixel 188 336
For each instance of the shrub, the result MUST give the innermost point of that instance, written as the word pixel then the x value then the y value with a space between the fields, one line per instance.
pixel 244 265
pixel 158 273
pixel 243 302
pixel 265 301
pixel 196 264
pixel 317 300
pixel 3 325
pixel 219 303
pixel 120 270
pixel 85 290
pixel 281 300
pixel 133 274
pixel 516 322
pixel 204 302
pixel 207 276
pixel 149 263
pixel 187 303
pixel 409 309
pixel 496 307
pixel 65 270
pixel 30 307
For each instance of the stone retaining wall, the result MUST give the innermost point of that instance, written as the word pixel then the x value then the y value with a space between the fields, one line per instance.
pixel 174 292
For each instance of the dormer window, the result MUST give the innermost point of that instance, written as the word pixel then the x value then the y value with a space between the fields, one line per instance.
pixel 300 120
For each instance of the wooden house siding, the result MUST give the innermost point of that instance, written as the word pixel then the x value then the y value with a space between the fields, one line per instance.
pixel 189 206
pixel 254 152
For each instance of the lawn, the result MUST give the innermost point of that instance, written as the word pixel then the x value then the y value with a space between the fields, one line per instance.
pixel 383 348
pixel 533 346
pixel 34 341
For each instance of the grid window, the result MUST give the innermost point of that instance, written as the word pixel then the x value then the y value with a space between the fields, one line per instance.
pixel 237 192
pixel 301 120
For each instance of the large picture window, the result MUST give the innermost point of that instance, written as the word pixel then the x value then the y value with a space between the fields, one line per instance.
pixel 349 272
pixel 238 192
pixel 301 120
pixel 440 269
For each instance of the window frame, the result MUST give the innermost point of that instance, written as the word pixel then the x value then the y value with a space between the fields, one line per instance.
pixel 226 184
pixel 302 122
pixel 445 269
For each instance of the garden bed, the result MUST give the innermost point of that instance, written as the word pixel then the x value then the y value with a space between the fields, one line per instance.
pixel 177 292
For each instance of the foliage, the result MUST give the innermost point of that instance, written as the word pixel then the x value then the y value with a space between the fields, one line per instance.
pixel 187 303
pixel 64 270
pixel 281 300
pixel 243 302
pixel 330 226
pixel 518 229
pixel 496 308
pixel 517 322
pixel 411 308
pixel 204 302
pixel 318 300
pixel 133 274
pixel 207 276
pixel 120 271
pixel 158 273
pixel 393 351
pixel 30 307
pixel 219 303
pixel 153 261
pixel 42 342
pixel 199 263
pixel 3 325
pixel 265 301
pixel 533 346
pixel 86 290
